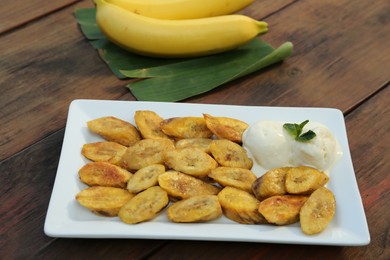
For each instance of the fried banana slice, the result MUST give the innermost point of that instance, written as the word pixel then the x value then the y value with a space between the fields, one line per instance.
pixel 200 143
pixel 239 178
pixel 240 206
pixel 148 123
pixel 186 127
pixel 145 178
pixel 230 154
pixel 191 161
pixel 104 174
pixel 183 186
pixel 115 130
pixel 145 152
pixel 226 127
pixel 318 211
pixel 272 183
pixel 282 210
pixel 195 209
pixel 104 201
pixel 304 180
pixel 104 152
pixel 144 206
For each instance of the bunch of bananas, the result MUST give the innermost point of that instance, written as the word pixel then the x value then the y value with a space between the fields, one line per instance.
pixel 177 28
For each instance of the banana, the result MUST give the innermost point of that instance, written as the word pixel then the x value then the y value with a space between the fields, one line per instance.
pixel 175 38
pixel 182 9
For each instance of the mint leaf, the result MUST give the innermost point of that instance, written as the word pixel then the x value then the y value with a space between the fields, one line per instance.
pixel 306 136
pixel 292 129
pixel 302 125
pixel 296 131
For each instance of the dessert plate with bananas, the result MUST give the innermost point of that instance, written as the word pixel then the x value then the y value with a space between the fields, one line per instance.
pixel 74 209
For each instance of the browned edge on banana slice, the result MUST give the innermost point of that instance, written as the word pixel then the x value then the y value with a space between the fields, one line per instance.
pixel 103 152
pixel 104 201
pixel 318 211
pixel 240 206
pixel 144 206
pixel 192 161
pixel 183 186
pixel 226 127
pixel 104 174
pixel 145 178
pixel 200 143
pixel 200 208
pixel 234 177
pixel 304 180
pixel 186 127
pixel 115 130
pixel 230 154
pixel 145 152
pixel 148 123
pixel 271 183
pixel 282 209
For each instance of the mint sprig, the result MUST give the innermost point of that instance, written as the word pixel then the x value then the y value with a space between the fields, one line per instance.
pixel 296 131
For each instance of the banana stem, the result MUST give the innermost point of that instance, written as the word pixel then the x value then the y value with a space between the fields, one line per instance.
pixel 263 27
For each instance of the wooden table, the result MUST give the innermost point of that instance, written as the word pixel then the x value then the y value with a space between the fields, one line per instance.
pixel 341 60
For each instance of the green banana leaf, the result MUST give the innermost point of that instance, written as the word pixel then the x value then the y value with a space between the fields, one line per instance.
pixel 177 79
pixel 115 57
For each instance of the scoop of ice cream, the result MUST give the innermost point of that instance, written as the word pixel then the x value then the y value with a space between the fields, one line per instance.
pixel 271 146
pixel 319 152
pixel 268 144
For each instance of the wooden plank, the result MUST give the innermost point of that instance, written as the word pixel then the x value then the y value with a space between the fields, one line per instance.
pixel 340 56
pixel 40 76
pixel 19 12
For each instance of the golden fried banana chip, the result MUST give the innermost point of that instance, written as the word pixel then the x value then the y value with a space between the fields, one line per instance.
pixel 148 123
pixel 230 154
pixel 104 201
pixel 272 183
pixel 195 209
pixel 145 152
pixel 304 180
pixel 145 178
pixel 283 209
pixel 240 206
pixel 144 206
pixel 104 152
pixel 186 127
pixel 318 211
pixel 104 174
pixel 183 186
pixel 234 177
pixel 191 161
pixel 115 130
pixel 226 127
pixel 200 143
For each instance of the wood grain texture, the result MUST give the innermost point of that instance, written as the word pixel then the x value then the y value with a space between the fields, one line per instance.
pixel 340 55
pixel 40 76
pixel 19 12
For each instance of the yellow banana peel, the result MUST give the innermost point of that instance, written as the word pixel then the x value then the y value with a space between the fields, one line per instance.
pixel 175 38
pixel 182 9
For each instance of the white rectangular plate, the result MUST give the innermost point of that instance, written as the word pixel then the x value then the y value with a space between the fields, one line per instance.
pixel 66 218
